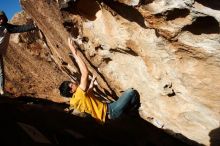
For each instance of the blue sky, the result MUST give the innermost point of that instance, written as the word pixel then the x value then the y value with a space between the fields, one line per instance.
pixel 10 7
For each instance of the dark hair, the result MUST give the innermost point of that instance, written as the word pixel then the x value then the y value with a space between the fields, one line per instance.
pixel 2 13
pixel 65 89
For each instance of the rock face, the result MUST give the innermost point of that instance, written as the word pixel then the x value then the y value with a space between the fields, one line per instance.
pixel 169 51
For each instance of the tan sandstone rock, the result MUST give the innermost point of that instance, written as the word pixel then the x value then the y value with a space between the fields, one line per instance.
pixel 168 50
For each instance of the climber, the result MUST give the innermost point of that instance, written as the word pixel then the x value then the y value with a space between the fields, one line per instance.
pixel 85 101
pixel 5 30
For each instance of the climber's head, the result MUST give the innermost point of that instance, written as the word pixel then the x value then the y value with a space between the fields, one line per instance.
pixel 3 18
pixel 67 88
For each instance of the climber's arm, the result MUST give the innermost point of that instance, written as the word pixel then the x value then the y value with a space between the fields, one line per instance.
pixel 82 66
pixel 20 28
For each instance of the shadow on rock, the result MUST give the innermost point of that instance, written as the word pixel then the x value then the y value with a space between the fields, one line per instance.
pixel 128 12
pixel 215 137
pixel 213 4
pixel 26 123
pixel 84 8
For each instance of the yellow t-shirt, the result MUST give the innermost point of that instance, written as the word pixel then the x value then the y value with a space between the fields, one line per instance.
pixel 87 102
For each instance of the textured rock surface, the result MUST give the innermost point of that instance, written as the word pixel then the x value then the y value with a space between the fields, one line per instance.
pixel 168 50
